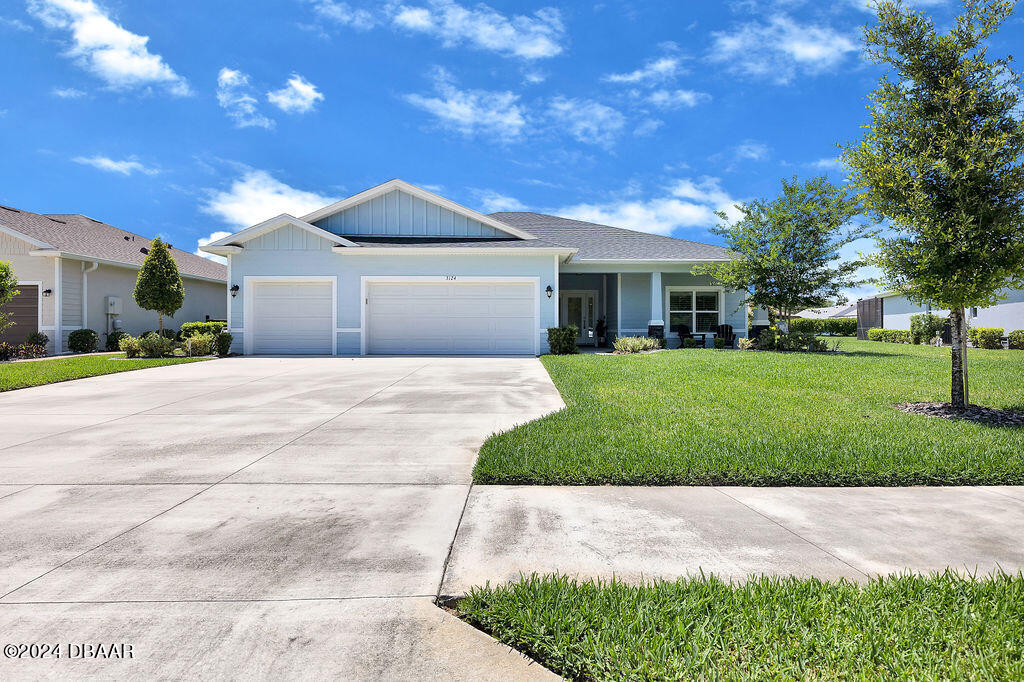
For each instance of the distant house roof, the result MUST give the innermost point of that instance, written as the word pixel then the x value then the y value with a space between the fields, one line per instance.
pixel 79 235
pixel 848 310
pixel 603 242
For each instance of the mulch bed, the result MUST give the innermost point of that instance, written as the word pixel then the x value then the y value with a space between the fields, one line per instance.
pixel 974 413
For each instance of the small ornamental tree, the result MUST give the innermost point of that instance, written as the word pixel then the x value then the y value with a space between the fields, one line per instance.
pixel 787 249
pixel 159 285
pixel 942 161
pixel 8 290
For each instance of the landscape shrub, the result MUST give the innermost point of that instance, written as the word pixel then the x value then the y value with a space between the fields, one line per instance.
pixel 199 344
pixel 889 335
pixel 189 329
pixel 743 343
pixel 719 342
pixel 562 340
pixel 925 327
pixel 7 351
pixel 37 339
pixel 114 339
pixel 688 343
pixel 129 345
pixel 1017 339
pixel 31 350
pixel 223 343
pixel 153 345
pixel 986 337
pixel 167 333
pixel 839 326
pixel 636 344
pixel 83 341
pixel 768 339
pixel 801 324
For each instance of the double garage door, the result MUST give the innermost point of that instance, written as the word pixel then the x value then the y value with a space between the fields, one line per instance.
pixel 401 318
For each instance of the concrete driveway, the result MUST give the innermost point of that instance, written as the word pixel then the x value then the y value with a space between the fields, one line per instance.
pixel 273 517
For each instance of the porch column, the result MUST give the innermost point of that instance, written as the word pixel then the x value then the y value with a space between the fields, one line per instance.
pixel 656 325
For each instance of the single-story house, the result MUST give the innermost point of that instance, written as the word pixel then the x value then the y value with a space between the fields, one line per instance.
pixel 892 310
pixel 75 272
pixel 400 270
pixel 848 311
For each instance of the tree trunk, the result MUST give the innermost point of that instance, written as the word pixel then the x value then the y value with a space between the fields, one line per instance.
pixel 160 323
pixel 957 393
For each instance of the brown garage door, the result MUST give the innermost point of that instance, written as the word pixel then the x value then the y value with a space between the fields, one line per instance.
pixel 23 310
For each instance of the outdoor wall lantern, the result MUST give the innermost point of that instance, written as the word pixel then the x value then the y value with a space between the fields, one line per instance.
pixel 234 291
pixel 549 291
pixel 47 292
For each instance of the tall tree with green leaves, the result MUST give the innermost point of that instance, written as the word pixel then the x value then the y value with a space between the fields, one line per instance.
pixel 941 161
pixel 159 286
pixel 8 290
pixel 788 249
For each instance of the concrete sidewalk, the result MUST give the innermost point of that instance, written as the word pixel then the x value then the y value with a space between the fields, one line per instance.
pixel 637 533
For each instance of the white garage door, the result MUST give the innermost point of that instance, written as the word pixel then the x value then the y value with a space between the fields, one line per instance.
pixel 422 318
pixel 292 318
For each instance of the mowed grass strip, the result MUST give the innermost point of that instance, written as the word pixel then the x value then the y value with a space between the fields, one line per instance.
pixel 901 627
pixel 40 372
pixel 706 417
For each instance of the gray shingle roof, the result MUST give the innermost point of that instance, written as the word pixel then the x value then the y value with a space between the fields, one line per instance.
pixel 603 242
pixel 84 236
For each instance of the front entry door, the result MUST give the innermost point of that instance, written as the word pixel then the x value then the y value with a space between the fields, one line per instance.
pixel 579 308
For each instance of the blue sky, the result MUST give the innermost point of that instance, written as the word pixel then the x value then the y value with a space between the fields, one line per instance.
pixel 192 118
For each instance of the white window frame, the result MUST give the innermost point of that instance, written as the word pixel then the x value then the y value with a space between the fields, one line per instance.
pixel 443 279
pixel 249 323
pixel 693 313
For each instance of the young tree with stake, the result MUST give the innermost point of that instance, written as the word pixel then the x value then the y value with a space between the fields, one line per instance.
pixel 787 249
pixel 942 162
pixel 158 286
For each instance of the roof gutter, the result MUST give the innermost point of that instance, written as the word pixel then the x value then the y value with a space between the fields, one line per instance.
pixel 56 253
pixel 439 250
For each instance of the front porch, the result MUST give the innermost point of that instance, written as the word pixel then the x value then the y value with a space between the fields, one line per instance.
pixel 648 303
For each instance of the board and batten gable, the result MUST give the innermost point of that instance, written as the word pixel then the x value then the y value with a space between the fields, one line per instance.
pixel 298 259
pixel 400 214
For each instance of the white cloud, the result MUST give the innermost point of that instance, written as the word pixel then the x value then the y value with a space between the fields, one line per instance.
pixel 528 37
pixel 491 201
pixel 258 196
pixel 677 99
pixel 684 203
pixel 654 71
pixel 203 241
pixel 830 164
pixel 234 96
pixel 101 46
pixel 67 93
pixel 16 24
pixel 488 113
pixel 753 150
pixel 648 126
pixel 124 167
pixel 586 120
pixel 779 49
pixel 343 14
pixel 298 96
pixel 869 5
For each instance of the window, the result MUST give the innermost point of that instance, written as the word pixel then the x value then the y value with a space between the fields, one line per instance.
pixel 698 310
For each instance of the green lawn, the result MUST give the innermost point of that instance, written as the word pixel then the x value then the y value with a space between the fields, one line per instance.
pixel 901 627
pixel 24 374
pixel 705 417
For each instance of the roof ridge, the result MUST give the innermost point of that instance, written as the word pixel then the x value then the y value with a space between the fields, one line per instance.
pixel 611 227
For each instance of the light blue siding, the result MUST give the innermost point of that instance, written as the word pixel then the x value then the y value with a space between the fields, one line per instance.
pixel 288 238
pixel 400 214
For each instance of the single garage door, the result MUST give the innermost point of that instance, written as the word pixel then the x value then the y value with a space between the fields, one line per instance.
pixel 426 318
pixel 292 318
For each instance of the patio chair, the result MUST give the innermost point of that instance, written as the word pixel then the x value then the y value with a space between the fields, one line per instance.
pixel 724 331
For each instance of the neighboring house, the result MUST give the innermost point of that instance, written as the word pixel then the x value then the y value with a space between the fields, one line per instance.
pixel 75 272
pixel 833 312
pixel 399 270
pixel 892 310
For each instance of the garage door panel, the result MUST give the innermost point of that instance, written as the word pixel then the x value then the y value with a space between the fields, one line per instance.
pixel 292 318
pixel 457 318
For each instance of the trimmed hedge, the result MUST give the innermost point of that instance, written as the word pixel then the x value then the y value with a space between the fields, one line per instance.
pixel 83 341
pixel 890 335
pixel 636 344
pixel 986 337
pixel 222 343
pixel 833 326
pixel 926 326
pixel 194 328
pixel 114 339
pixel 1017 339
pixel 562 340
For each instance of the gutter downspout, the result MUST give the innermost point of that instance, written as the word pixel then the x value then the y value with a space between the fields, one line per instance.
pixel 58 339
pixel 85 292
